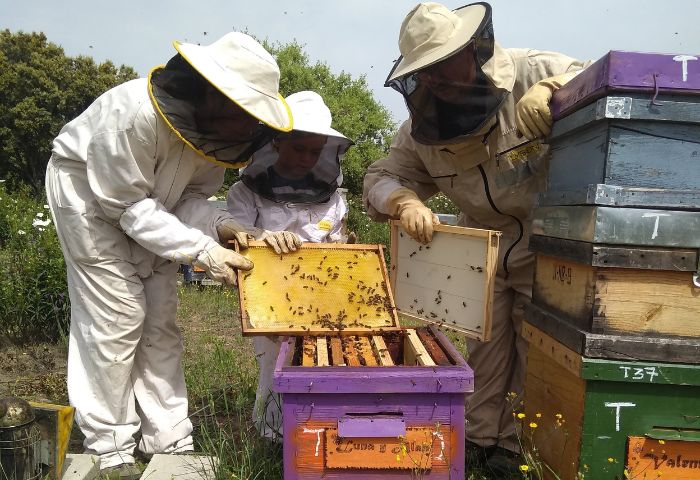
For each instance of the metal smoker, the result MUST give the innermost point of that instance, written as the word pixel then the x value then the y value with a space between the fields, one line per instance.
pixel 19 441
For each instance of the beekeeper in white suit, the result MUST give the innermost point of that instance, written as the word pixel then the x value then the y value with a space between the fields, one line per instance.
pixel 291 185
pixel 127 184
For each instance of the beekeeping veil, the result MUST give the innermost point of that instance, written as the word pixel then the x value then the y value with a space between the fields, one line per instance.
pixel 302 166
pixel 234 69
pixel 451 73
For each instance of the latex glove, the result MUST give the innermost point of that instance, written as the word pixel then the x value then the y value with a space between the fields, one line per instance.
pixel 281 242
pixel 416 218
pixel 230 229
pixel 533 117
pixel 219 264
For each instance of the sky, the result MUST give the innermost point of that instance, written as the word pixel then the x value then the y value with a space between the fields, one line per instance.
pixel 359 37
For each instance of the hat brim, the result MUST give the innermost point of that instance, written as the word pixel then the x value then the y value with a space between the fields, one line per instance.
pixel 473 18
pixel 273 111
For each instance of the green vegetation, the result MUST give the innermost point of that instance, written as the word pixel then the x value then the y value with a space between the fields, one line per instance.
pixel 34 303
pixel 42 90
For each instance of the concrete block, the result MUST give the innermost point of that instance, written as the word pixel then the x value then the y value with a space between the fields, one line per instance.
pixel 81 466
pixel 181 467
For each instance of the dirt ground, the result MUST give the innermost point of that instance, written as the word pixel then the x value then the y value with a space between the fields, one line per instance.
pixel 38 372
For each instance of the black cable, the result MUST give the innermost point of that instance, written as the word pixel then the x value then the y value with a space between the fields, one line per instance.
pixel 495 208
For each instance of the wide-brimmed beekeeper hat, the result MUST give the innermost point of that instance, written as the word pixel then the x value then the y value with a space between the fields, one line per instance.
pixel 311 114
pixel 431 32
pixel 240 68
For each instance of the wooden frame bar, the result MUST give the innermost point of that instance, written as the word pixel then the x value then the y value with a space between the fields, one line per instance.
pixel 381 351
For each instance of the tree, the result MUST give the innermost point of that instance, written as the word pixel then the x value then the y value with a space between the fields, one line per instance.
pixel 43 89
pixel 355 112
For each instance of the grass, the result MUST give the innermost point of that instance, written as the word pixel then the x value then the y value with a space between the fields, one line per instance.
pixel 220 371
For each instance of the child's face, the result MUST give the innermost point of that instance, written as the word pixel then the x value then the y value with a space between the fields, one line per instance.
pixel 297 156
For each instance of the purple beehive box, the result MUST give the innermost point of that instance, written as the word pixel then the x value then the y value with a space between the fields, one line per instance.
pixel 374 422
pixel 619 71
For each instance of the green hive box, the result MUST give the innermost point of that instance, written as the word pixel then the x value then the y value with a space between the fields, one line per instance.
pixel 602 404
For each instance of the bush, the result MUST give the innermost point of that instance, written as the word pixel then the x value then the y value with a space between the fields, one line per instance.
pixel 34 302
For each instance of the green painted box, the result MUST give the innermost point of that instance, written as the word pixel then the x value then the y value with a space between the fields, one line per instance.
pixel 589 408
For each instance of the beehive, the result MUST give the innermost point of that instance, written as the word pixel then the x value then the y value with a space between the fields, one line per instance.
pixel 598 417
pixel 373 406
pixel 362 397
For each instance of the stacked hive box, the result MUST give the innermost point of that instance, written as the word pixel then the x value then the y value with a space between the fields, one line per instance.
pixel 613 324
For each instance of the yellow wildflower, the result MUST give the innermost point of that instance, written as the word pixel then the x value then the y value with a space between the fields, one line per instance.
pixel 521 416
pixel 524 468
pixel 611 460
pixel 538 415
pixel 559 416
pixel 662 442
pixel 533 425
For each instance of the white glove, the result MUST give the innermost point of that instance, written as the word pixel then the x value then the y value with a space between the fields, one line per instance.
pixel 219 264
pixel 281 242
pixel 230 229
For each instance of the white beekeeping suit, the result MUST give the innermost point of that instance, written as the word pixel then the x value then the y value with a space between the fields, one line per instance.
pixel 291 184
pixel 127 184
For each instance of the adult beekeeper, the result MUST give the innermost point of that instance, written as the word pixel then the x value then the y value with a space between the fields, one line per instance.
pixel 291 185
pixel 470 101
pixel 127 184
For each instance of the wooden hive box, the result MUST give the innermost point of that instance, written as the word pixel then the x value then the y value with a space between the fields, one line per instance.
pixel 600 417
pixel 362 397
pixel 628 126
pixel 373 407
pixel 616 301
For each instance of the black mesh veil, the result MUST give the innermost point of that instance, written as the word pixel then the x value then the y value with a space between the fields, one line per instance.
pixel 444 110
pixel 178 90
pixel 297 167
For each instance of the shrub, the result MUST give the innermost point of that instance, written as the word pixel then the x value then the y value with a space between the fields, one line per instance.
pixel 34 302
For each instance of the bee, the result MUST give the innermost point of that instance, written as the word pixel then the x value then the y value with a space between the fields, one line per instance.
pixel 407 275
pixel 247 275
pixel 449 276
pixel 291 326
pixel 301 258
pixel 285 277
pixel 464 304
pixel 427 247
pixel 272 309
pixel 264 282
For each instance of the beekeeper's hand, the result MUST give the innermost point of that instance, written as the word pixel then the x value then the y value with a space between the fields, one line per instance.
pixel 417 219
pixel 281 242
pixel 230 229
pixel 219 264
pixel 533 116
